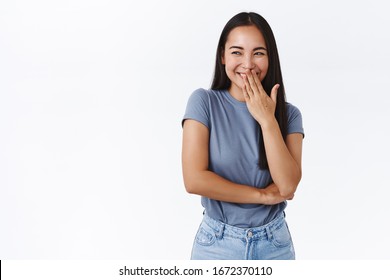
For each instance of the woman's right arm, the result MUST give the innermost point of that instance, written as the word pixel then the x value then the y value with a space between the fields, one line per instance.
pixel 199 180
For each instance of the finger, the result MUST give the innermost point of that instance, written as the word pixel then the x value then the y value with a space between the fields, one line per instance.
pixel 245 92
pixel 257 81
pixel 252 82
pixel 247 86
pixel 274 92
pixel 244 88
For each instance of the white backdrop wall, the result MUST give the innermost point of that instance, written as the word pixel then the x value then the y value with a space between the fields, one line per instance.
pixel 91 99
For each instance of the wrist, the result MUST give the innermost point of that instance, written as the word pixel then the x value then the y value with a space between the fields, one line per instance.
pixel 269 124
pixel 262 196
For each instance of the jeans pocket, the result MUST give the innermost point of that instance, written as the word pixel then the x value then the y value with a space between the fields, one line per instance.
pixel 205 235
pixel 281 236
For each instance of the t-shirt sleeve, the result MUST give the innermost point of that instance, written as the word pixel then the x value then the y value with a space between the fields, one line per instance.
pixel 198 108
pixel 294 120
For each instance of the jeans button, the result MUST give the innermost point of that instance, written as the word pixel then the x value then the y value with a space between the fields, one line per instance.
pixel 250 234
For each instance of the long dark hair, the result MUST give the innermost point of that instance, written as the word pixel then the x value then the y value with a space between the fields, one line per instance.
pixel 274 73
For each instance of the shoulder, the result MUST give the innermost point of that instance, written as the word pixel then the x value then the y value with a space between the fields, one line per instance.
pixel 204 93
pixel 294 119
pixel 199 97
pixel 292 111
pixel 204 97
pixel 199 106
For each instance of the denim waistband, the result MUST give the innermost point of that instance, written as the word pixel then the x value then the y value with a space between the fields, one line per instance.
pixel 260 232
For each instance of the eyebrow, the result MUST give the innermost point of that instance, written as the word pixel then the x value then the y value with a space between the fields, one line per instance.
pixel 241 48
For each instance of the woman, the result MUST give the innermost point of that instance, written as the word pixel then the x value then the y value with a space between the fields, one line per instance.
pixel 242 148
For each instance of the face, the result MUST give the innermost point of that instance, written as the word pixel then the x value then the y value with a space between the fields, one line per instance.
pixel 245 49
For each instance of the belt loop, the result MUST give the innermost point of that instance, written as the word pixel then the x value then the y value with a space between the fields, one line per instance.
pixel 221 229
pixel 269 234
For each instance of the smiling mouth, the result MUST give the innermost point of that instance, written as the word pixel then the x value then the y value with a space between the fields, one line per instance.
pixel 239 73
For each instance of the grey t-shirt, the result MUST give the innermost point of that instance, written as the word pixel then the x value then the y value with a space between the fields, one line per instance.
pixel 234 153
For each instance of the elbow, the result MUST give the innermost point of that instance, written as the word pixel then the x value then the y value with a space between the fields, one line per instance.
pixel 191 186
pixel 287 190
pixel 193 182
pixel 287 194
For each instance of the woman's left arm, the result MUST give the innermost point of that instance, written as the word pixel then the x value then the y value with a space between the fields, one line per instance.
pixel 284 157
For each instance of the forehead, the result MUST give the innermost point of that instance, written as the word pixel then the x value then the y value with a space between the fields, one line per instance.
pixel 246 35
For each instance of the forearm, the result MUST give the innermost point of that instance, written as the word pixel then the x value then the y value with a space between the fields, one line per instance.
pixel 209 184
pixel 213 186
pixel 285 171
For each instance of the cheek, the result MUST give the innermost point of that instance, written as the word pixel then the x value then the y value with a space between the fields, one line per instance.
pixel 230 68
pixel 229 64
pixel 263 74
pixel 264 70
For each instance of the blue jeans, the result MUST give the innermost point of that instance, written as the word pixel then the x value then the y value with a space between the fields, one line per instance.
pixel 218 241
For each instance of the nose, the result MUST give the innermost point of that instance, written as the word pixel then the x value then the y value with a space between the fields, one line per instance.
pixel 248 62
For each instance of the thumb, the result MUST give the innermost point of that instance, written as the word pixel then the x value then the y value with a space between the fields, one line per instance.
pixel 274 92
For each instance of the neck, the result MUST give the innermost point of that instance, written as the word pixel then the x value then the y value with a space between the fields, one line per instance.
pixel 236 93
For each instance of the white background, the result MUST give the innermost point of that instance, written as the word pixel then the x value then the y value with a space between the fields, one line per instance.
pixel 91 99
